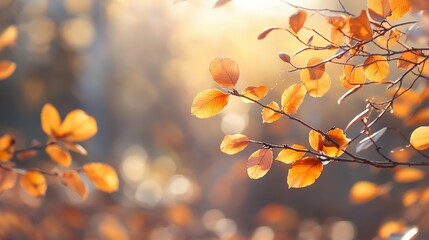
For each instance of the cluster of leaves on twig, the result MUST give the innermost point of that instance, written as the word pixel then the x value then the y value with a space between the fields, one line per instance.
pixel 365 47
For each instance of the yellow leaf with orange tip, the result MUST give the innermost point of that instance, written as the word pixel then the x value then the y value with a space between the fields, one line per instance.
pixel 292 98
pixel 72 180
pixel 259 163
pixel 232 144
pixel 407 174
pixel 376 68
pixel 103 176
pixel 34 183
pixel 74 147
pixel 316 88
pixel 7 147
pixel 360 27
pixel 78 126
pixel 389 228
pixel 51 120
pixel 59 155
pixel 399 8
pixel 352 76
pixel 254 93
pixel 408 59
pixel 420 138
pixel 225 72
pixel 8 36
pixel 297 20
pixel 334 148
pixel 379 9
pixel 208 103
pixel 7 68
pixel 362 192
pixel 289 156
pixel 410 197
pixel 304 172
pixel 7 178
pixel 268 115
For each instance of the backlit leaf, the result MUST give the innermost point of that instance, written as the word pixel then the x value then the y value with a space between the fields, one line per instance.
pixel 408 59
pixel 297 20
pixel 379 9
pixel 255 93
pixel 292 98
pixel 103 176
pixel 352 76
pixel 7 179
pixel 225 72
pixel 362 192
pixel 78 126
pixel 389 228
pixel 7 68
pixel 360 27
pixel 420 138
pixel 304 172
pixel 59 155
pixel 8 36
pixel 232 144
pixel 407 174
pixel 317 71
pixel 208 103
pixel 410 197
pixel 289 156
pixel 72 180
pixel 268 115
pixel 405 104
pixel 51 120
pixel 316 88
pixel 369 141
pixel 7 147
pixel 34 183
pixel 316 140
pixel 401 154
pixel 334 148
pixel 339 27
pixel 259 163
pixel 399 9
pixel 376 68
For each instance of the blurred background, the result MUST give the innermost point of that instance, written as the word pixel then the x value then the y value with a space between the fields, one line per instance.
pixel 136 65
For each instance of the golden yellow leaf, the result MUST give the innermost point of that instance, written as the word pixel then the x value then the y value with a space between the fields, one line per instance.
pixel 410 197
pixel 297 20
pixel 51 120
pixel 316 140
pixel 254 93
pixel 289 156
pixel 34 183
pixel 8 36
pixel 7 179
pixel 316 88
pixel 399 9
pixel 362 192
pixel 389 228
pixel 7 147
pixel 74 147
pixel 232 144
pixel 407 60
pixel 420 138
pixel 268 115
pixel 103 176
pixel 407 174
pixel 59 155
pixel 360 27
pixel 7 68
pixel 292 98
pixel 319 143
pixel 352 76
pixel 72 180
pixel 78 126
pixel 339 27
pixel 209 103
pixel 304 172
pixel 225 72
pixel 379 9
pixel 259 163
pixel 376 68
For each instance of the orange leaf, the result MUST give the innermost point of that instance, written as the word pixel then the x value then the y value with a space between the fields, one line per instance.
pixel 379 9
pixel 59 155
pixel 103 176
pixel 352 76
pixel 400 154
pixel 7 179
pixel 224 71
pixel 297 20
pixel 409 59
pixel 72 180
pixel 259 163
pixel 316 140
pixel 316 88
pixel 289 156
pixel 406 175
pixel 317 71
pixel 292 98
pixel 78 126
pixel 338 25
pixel 389 228
pixel 410 197
pixel 34 183
pixel 232 144
pixel 399 9
pixel 255 93
pixel 360 27
pixel 7 147
pixel 362 192
pixel 8 36
pixel 420 138
pixel 209 103
pixel 7 68
pixel 304 172
pixel 376 68
pixel 330 148
pixel 51 120
pixel 268 115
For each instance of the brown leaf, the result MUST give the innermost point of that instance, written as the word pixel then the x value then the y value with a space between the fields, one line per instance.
pixel 266 31
pixel 259 163
pixel 284 57
pixel 297 20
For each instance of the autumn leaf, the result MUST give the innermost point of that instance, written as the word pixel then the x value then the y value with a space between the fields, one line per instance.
pixel 410 197
pixel 259 163
pixel 352 76
pixel 232 144
pixel 376 68
pixel 284 57
pixel 208 103
pixel 339 27
pixel 399 8
pixel 7 147
pixel 390 227
pixel 72 180
pixel 59 155
pixel 7 178
pixel 225 72
pixel 379 9
pixel 51 120
pixel 406 175
pixel 289 155
pixel 334 148
pixel 8 36
pixel 254 93
pixel 362 192
pixel 34 183
pixel 103 176
pixel 304 172
pixel 360 27
pixel 297 20
pixel 292 98
pixel 315 88
pixel 268 115
pixel 408 59
pixel 318 70
pixel 420 138
pixel 220 3
pixel 7 68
